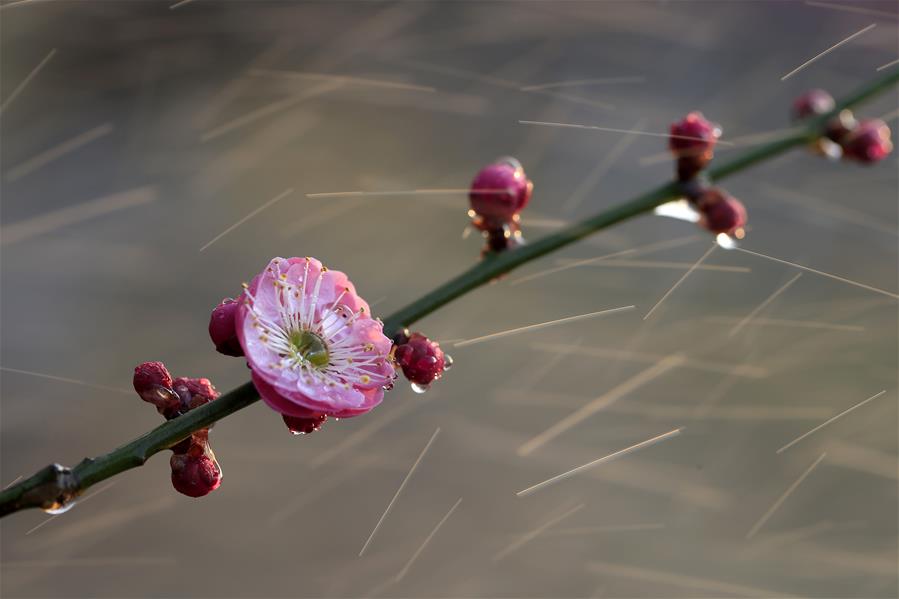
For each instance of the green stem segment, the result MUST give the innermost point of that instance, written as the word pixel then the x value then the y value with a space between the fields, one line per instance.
pixel 55 485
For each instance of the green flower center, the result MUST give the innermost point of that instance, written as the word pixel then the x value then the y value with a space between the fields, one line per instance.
pixel 310 347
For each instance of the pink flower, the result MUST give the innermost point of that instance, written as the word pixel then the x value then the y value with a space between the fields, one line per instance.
pixel 311 343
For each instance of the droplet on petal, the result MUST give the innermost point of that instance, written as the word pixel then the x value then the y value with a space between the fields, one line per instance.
pixel 303 426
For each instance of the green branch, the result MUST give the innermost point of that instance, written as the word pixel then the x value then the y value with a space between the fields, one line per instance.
pixel 55 485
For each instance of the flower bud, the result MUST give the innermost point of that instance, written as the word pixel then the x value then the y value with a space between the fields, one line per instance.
pixel 694 135
pixel 840 126
pixel 195 475
pixel 814 102
pixel 498 192
pixel 869 142
pixel 421 359
pixel 222 328
pixel 303 426
pixel 720 212
pixel 153 383
pixel 194 392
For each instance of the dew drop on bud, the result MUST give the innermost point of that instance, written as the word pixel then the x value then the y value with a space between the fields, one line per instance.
pixel 60 508
pixel 447 362
pixel 420 388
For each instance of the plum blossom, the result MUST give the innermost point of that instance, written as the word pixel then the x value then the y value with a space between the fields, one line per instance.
pixel 311 343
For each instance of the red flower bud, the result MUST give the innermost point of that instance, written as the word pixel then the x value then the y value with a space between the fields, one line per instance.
pixel 814 102
pixel 498 192
pixel 840 126
pixel 194 392
pixel 195 475
pixel 222 328
pixel 721 213
pixel 694 136
pixel 153 383
pixel 869 142
pixel 421 359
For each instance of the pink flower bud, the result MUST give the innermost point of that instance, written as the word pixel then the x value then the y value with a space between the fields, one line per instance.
pixel 814 102
pixel 498 192
pixel 304 426
pixel 421 359
pixel 869 142
pixel 195 475
pixel 153 383
pixel 694 136
pixel 721 213
pixel 223 330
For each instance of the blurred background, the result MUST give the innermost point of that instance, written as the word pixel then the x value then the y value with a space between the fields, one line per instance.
pixel 134 133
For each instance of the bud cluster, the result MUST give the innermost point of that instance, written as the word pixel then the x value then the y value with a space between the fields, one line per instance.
pixel 866 141
pixel 692 142
pixel 195 471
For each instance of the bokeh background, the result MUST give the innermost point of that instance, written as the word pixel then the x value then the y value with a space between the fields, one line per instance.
pixel 152 129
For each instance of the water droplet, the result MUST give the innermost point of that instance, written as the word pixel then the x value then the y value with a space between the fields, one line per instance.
pixel 511 162
pixel 447 362
pixel 60 508
pixel 420 388
pixel 678 209
pixel 725 241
